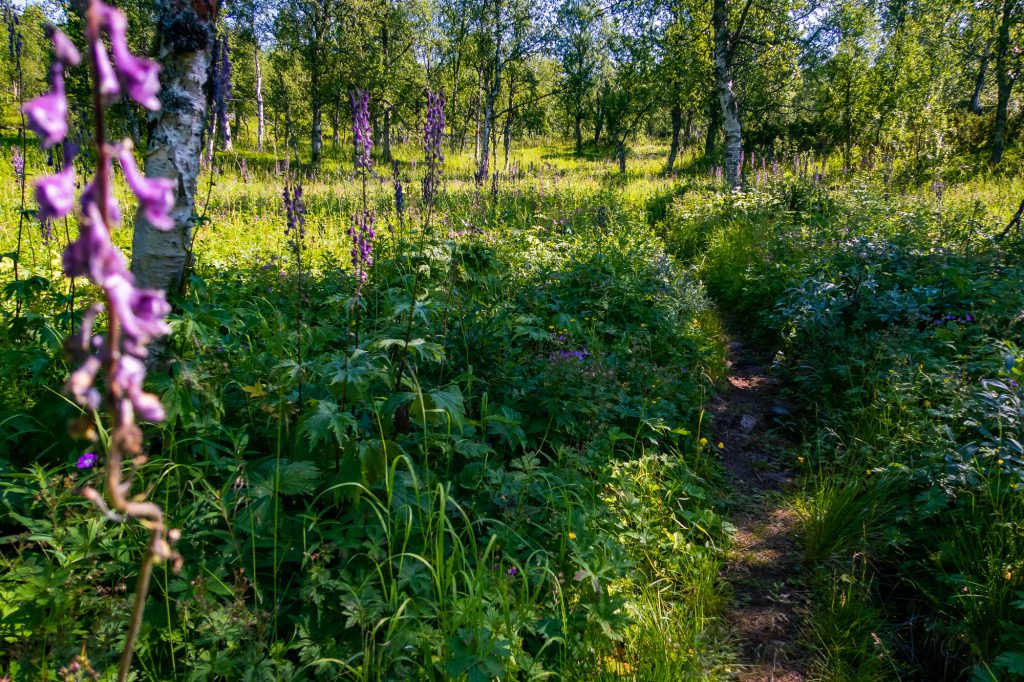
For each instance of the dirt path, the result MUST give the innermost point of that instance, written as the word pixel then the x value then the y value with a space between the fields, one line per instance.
pixel 763 571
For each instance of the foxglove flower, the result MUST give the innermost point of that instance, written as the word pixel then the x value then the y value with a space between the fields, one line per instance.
pixel 139 77
pixel 360 101
pixel 155 195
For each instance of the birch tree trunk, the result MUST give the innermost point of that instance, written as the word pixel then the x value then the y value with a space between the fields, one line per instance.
pixel 1004 79
pixel 259 98
pixel 677 126
pixel 175 143
pixel 726 94
pixel 979 83
pixel 226 123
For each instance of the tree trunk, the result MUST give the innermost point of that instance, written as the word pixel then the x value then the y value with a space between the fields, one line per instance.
pixel 598 124
pixel 387 135
pixel 259 98
pixel 175 144
pixel 316 136
pixel 479 111
pixel 714 126
pixel 226 124
pixel 727 95
pixel 620 152
pixel 979 83
pixel 579 133
pixel 1004 80
pixel 677 126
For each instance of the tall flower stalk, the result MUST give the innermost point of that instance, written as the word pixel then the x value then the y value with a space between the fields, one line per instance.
pixel 433 156
pixel 295 231
pixel 361 230
pixel 14 44
pixel 134 316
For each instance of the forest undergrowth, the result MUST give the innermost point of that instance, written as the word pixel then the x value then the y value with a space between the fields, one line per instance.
pixel 539 493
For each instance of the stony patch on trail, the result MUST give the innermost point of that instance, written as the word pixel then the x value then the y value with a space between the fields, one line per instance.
pixel 767 606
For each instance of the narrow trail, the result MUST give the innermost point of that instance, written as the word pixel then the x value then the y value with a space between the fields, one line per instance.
pixel 767 607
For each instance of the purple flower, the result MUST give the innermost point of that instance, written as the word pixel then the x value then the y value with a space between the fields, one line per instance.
pixel 399 191
pixel 128 376
pixel 140 77
pixel 65 50
pixel 87 461
pixel 48 116
pixel 362 234
pixel 155 195
pixel 105 75
pixel 363 139
pixel 433 133
pixel 92 254
pixel 56 194
pixel 512 571
pixel 90 199
pixel 18 163
pixel 296 211
pixel 140 311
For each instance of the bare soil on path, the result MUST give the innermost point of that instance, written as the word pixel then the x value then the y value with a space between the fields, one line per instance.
pixel 767 609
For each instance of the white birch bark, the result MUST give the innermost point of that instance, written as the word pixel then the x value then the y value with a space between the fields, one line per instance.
pixel 175 144
pixel 727 94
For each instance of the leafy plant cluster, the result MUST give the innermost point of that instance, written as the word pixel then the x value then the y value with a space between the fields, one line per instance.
pixel 533 498
pixel 898 323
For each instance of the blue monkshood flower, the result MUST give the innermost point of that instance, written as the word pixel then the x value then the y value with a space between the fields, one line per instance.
pixel 139 77
pixel 87 461
pixel 155 195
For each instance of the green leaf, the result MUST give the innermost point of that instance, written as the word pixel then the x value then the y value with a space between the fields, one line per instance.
pixel 324 421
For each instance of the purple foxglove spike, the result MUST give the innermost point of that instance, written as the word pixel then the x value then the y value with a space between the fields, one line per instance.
pixel 106 78
pixel 56 194
pixel 139 77
pixel 65 50
pixel 155 195
pixel 48 116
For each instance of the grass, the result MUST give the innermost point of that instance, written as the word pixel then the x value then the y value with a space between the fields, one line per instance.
pixel 534 500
